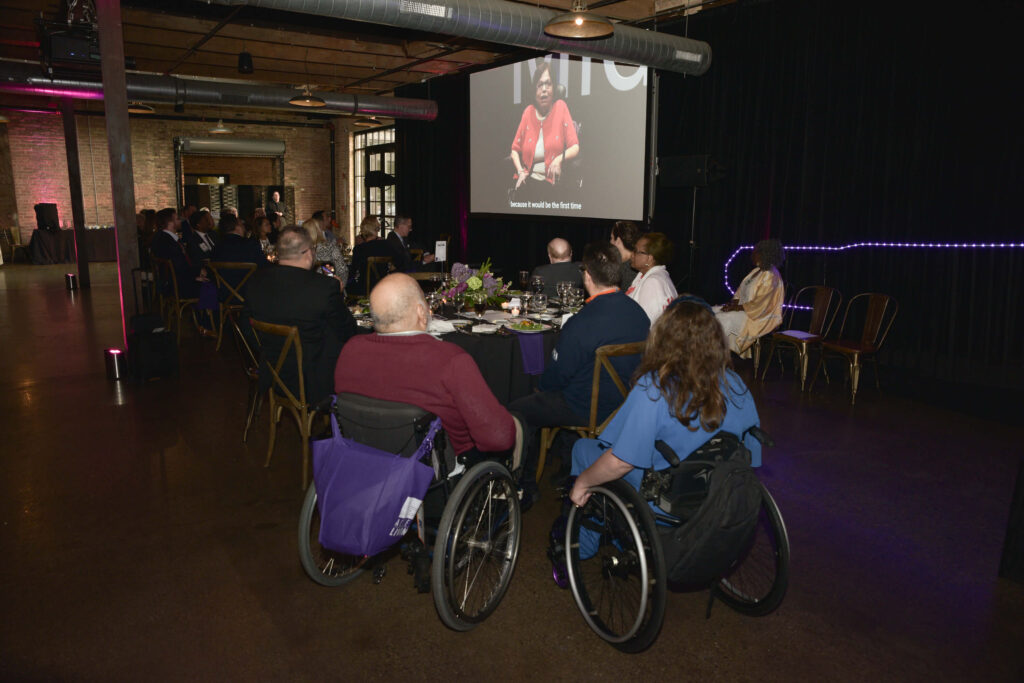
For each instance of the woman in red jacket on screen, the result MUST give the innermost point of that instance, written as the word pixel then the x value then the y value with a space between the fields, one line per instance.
pixel 545 140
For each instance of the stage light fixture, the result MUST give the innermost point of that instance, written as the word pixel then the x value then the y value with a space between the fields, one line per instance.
pixel 579 24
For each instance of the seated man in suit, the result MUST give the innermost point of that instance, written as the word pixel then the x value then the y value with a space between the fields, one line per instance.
pixel 167 244
pixel 202 238
pixel 371 245
pixel 563 398
pixel 402 362
pixel 292 294
pixel 235 247
pixel 560 267
pixel 399 241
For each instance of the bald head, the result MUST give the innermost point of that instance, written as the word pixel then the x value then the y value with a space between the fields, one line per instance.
pixel 397 305
pixel 559 250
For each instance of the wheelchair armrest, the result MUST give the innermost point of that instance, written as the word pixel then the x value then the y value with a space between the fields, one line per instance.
pixel 667 452
pixel 761 436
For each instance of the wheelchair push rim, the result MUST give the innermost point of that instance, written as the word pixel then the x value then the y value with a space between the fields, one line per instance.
pixel 757 583
pixel 477 546
pixel 619 590
pixel 324 566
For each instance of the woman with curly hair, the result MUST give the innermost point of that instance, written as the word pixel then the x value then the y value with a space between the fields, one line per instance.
pixel 757 308
pixel 684 392
pixel 324 251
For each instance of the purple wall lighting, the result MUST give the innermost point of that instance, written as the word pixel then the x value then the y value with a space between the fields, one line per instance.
pixel 874 245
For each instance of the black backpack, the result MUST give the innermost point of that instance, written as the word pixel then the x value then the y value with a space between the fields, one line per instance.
pixel 717 495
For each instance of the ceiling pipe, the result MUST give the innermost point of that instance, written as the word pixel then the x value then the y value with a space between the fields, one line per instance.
pixel 507 23
pixel 24 78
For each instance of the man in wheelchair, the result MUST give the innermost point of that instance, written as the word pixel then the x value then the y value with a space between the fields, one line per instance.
pixel 402 362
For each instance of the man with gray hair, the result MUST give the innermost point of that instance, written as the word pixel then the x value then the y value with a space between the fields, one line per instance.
pixel 560 267
pixel 402 362
pixel 289 293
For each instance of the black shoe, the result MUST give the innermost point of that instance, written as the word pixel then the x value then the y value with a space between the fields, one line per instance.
pixel 528 496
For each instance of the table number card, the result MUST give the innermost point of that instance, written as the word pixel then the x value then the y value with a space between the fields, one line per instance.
pixel 440 251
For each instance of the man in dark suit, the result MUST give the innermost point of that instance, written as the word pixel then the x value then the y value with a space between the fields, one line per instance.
pixel 560 267
pixel 275 207
pixel 291 294
pixel 234 247
pixel 399 241
pixel 167 244
pixel 201 239
pixel 609 317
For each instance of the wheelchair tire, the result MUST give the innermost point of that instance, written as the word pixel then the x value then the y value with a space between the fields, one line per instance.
pixel 324 566
pixel 620 590
pixel 757 583
pixel 477 546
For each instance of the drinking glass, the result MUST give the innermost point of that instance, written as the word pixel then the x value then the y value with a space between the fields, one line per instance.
pixel 539 303
pixel 538 285
pixel 524 279
pixel 479 303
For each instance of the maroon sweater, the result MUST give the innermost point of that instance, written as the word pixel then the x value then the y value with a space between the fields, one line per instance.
pixel 435 375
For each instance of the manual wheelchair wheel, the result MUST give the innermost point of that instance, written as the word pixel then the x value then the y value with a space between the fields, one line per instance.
pixel 757 582
pixel 616 566
pixel 324 566
pixel 477 546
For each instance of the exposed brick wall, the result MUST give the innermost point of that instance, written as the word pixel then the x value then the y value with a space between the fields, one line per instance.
pixel 8 203
pixel 40 165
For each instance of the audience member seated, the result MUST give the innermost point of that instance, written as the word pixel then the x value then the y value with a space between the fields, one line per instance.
pixel 624 237
pixel 326 252
pixel 371 245
pixel 291 294
pixel 757 308
pixel 560 268
pixel 234 247
pixel 401 362
pixel 685 393
pixel 261 233
pixel 400 243
pixel 608 317
pixel 652 287
pixel 166 244
pixel 202 238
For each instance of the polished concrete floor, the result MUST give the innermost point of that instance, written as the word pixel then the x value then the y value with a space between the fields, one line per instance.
pixel 140 539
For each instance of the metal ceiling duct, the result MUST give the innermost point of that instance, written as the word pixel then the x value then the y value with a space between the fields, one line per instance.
pixel 25 78
pixel 233 146
pixel 507 23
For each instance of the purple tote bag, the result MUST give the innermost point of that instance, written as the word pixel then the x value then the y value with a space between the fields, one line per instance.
pixel 367 497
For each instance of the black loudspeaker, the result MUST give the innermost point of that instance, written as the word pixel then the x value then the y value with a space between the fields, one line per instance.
pixel 691 171
pixel 244 63
pixel 46 217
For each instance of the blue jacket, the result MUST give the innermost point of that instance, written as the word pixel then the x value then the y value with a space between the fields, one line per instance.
pixel 608 319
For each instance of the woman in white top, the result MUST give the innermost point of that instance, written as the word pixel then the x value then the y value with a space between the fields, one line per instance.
pixel 652 288
pixel 757 308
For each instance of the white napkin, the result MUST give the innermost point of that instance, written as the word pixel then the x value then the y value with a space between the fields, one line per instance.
pixel 436 326
pixel 485 329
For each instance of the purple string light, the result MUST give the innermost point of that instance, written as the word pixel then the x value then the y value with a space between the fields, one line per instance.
pixel 858 245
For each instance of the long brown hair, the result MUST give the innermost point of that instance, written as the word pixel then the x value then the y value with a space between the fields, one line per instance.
pixel 688 356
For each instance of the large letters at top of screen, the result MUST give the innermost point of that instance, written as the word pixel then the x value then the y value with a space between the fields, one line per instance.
pixel 607 104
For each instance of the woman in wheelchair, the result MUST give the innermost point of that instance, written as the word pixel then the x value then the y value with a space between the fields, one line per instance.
pixel 685 392
pixel 545 140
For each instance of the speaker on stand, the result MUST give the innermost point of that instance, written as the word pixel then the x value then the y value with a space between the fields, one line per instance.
pixel 689 172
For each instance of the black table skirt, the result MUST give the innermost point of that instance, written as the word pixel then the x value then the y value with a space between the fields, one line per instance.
pixel 501 362
pixel 48 247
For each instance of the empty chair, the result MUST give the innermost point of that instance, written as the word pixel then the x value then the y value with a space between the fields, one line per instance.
pixel 876 313
pixel 824 303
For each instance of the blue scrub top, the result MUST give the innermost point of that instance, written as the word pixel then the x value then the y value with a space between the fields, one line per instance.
pixel 646 417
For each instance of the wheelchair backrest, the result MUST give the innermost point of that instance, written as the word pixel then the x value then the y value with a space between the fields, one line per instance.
pixel 387 425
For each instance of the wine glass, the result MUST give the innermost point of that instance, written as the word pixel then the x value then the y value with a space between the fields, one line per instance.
pixel 539 302
pixel 479 303
pixel 524 279
pixel 538 285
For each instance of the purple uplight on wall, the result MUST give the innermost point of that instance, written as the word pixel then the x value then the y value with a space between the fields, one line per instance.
pixel 876 245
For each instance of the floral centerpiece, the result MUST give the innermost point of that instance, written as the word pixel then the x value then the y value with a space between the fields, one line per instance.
pixel 467 281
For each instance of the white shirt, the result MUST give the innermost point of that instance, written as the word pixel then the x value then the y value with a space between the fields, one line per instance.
pixel 653 291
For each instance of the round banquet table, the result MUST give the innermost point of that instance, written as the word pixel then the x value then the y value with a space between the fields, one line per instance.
pixel 501 362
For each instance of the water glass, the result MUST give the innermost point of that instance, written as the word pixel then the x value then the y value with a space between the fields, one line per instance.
pixel 538 285
pixel 539 303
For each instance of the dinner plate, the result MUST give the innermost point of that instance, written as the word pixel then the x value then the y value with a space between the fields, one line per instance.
pixel 542 327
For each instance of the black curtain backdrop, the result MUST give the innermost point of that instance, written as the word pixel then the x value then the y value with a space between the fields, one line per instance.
pixel 832 124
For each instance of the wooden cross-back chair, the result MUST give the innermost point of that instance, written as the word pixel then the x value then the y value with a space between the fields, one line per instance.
pixel 172 305
pixel 602 362
pixel 878 312
pixel 376 268
pixel 280 396
pixel 824 303
pixel 231 306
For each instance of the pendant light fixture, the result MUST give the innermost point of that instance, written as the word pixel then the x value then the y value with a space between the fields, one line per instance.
pixel 579 24
pixel 220 128
pixel 307 98
pixel 139 108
